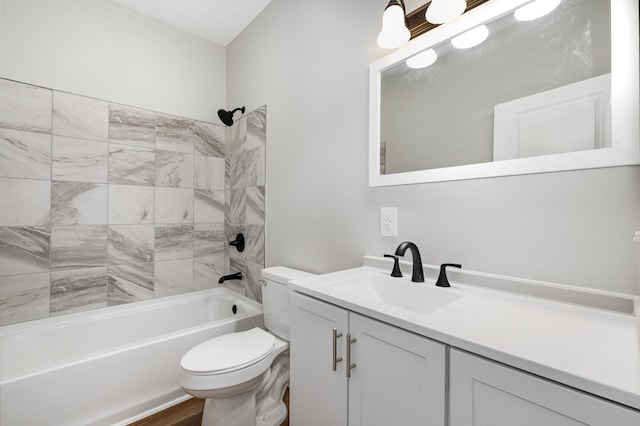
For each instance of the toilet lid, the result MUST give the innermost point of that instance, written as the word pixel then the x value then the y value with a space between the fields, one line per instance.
pixel 229 352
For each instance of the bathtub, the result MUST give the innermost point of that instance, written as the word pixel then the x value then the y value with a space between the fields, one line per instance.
pixel 112 365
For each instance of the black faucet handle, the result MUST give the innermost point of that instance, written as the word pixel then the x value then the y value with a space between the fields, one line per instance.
pixel 238 243
pixel 442 278
pixel 396 266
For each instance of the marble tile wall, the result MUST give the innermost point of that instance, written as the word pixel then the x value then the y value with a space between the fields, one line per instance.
pixel 105 204
pixel 245 196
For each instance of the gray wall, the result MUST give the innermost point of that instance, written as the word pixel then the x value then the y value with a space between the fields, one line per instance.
pixel 308 60
pixel 101 49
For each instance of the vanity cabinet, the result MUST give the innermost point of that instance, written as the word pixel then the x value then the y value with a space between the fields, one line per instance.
pixel 485 393
pixel 396 377
pixel 318 394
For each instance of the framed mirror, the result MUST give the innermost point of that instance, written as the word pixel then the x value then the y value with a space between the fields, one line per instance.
pixel 549 93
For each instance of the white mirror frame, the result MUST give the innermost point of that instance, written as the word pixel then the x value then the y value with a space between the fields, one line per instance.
pixel 625 110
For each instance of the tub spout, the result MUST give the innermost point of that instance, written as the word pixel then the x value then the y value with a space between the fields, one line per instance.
pixel 236 276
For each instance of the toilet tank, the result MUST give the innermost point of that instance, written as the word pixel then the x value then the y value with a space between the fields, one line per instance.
pixel 275 298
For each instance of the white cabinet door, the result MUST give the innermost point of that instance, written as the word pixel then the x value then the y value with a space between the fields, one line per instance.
pixel 318 394
pixel 485 393
pixel 399 377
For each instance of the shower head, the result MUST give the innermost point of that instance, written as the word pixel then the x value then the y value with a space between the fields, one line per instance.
pixel 227 116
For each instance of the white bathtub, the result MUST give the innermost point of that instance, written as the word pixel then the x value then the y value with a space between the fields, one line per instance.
pixel 112 365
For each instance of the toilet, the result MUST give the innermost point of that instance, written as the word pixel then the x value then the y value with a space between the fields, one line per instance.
pixel 243 375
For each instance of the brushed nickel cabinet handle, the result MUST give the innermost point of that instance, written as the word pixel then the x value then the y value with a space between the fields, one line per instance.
pixel 336 359
pixel 350 365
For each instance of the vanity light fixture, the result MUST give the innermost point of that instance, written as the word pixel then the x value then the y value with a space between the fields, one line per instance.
pixel 471 38
pixel 422 59
pixel 535 9
pixel 394 32
pixel 441 11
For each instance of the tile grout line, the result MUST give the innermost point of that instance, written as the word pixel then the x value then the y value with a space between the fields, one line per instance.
pixel 50 207
pixel 193 210
pixel 105 100
pixel 108 198
pixel 155 167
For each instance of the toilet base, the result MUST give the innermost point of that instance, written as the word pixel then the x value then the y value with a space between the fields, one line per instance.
pixel 236 410
pixel 262 406
pixel 274 418
pixel 271 409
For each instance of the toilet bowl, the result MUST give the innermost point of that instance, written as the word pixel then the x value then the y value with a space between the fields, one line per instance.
pixel 243 375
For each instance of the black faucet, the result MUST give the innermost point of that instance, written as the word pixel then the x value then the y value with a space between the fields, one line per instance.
pixel 236 276
pixel 418 275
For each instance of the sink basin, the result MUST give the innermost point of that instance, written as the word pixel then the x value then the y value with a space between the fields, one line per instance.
pixel 401 293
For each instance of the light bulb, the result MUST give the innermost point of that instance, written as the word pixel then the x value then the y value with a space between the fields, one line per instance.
pixel 422 59
pixel 394 31
pixel 535 9
pixel 441 11
pixel 471 38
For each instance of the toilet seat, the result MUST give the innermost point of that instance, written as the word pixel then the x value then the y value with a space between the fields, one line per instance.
pixel 228 353
pixel 201 383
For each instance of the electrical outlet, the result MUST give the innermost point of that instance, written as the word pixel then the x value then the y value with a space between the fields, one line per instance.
pixel 389 221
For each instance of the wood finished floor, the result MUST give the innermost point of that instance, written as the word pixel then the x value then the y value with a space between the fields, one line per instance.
pixel 188 413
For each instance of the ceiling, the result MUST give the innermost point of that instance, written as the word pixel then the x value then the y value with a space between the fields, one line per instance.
pixel 219 21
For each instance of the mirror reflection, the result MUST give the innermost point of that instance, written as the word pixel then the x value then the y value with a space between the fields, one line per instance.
pixel 528 86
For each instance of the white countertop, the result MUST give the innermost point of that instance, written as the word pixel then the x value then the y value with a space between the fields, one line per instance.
pixel 594 350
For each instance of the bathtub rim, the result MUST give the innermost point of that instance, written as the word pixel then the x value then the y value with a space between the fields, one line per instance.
pixel 108 311
pixel 10 330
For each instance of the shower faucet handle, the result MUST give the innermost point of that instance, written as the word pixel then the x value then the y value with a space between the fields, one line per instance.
pixel 238 243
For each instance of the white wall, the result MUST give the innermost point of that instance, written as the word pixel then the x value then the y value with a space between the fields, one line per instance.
pixel 308 61
pixel 101 49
